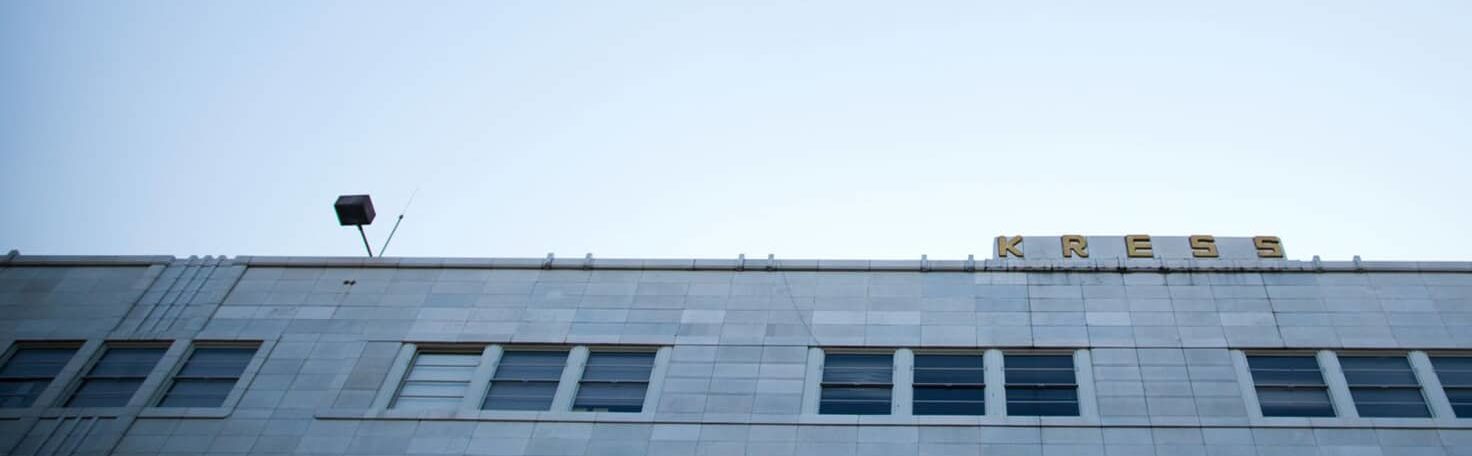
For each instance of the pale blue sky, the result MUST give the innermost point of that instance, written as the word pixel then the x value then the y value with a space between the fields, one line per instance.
pixel 832 129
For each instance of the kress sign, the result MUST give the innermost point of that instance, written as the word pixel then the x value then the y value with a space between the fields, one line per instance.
pixel 1140 246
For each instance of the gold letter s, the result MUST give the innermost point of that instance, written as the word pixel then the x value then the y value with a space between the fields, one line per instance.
pixel 1268 246
pixel 1203 246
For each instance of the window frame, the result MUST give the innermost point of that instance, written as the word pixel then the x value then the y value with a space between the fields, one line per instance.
pixel 582 371
pixel 1080 376
pixel 1418 384
pixel 480 385
pixel 1326 373
pixel 477 350
pixel 145 388
pixel 502 351
pixel 236 390
pixel 981 386
pixel 55 381
pixel 892 386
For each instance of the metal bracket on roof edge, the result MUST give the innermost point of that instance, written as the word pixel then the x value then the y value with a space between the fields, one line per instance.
pixel 1318 263
pixel 11 256
pixel 741 262
pixel 547 263
pixel 970 263
pixel 771 261
pixel 588 261
pixel 924 263
pixel 1357 265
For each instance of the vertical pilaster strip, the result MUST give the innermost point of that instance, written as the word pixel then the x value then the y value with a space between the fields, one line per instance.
pixel 1088 402
pixel 656 380
pixel 1435 393
pixel 475 393
pixel 812 388
pixel 903 399
pixel 567 386
pixel 395 377
pixel 1246 384
pixel 995 374
pixel 1338 386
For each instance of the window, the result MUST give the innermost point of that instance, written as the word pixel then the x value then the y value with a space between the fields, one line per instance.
pixel 116 376
pixel 857 384
pixel 1455 373
pixel 614 382
pixel 437 379
pixel 29 371
pixel 1290 386
pixel 1041 385
pixel 1384 386
pixel 949 385
pixel 526 380
pixel 207 377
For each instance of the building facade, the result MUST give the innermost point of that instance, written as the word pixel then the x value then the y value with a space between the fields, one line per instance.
pixel 1164 347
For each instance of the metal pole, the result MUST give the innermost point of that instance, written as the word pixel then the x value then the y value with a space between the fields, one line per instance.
pixel 365 241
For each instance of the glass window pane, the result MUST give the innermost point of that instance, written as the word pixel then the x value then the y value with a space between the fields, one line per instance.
pixel 20 393
pixel 1283 362
pixel 217 362
pixel 1287 377
pixel 1044 394
pixel 197 393
pixel 624 367
pixel 940 400
pixel 1303 402
pixel 105 392
pixel 1285 370
pixel 610 397
pixel 127 362
pixel 948 361
pixel 531 365
pixel 437 373
pixel 870 400
pixel 433 389
pixel 520 396
pixel 858 368
pixel 949 369
pixel 427 403
pixel 1454 378
pixel 447 359
pixel 1039 362
pixel 1032 377
pixel 1042 408
pixel 1378 370
pixel 37 362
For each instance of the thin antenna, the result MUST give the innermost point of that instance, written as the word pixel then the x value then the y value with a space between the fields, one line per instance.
pixel 397 222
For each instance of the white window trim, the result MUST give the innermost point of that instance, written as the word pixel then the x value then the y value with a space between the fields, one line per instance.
pixel 480 384
pixel 995 389
pixel 59 382
pixel 1345 409
pixel 152 410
